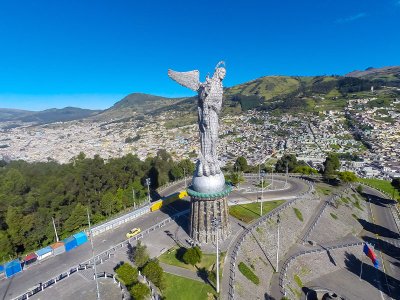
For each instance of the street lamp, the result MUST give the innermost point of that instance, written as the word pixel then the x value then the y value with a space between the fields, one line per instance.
pixel 148 189
pixel 262 190
pixel 216 223
pixel 94 262
pixel 277 250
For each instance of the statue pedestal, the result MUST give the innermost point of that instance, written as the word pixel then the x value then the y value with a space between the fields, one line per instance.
pixel 204 208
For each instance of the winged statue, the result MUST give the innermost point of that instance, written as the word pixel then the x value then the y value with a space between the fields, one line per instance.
pixel 209 103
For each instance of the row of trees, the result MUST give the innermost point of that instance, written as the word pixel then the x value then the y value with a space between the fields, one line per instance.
pixel 31 194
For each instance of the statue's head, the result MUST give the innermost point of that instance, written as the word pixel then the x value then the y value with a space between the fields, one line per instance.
pixel 220 71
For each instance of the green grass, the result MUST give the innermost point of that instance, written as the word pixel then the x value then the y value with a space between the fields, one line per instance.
pixel 251 211
pixel 323 190
pixel 171 258
pixel 298 214
pixel 345 200
pixel 180 288
pixel 334 216
pixel 383 185
pixel 357 204
pixel 248 273
pixel 298 280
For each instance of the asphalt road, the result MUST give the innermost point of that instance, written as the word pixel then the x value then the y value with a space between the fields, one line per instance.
pixel 54 266
pixel 47 269
pixel 383 234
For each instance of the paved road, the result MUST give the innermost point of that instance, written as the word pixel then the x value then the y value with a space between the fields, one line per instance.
pixel 53 266
pixel 384 235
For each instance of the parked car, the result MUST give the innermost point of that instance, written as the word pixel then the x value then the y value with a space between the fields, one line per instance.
pixel 133 232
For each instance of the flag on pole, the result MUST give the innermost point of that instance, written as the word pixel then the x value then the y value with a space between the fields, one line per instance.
pixel 371 254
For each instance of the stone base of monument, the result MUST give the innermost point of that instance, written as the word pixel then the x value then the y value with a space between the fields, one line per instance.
pixel 206 207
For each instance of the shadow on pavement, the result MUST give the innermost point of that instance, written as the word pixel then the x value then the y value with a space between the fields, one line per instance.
pixel 378 200
pixel 268 297
pixel 377 229
pixel 383 246
pixel 381 281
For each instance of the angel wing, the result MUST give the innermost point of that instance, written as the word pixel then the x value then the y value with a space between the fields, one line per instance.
pixel 187 79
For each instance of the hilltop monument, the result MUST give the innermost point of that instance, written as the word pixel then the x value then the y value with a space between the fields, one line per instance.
pixel 208 191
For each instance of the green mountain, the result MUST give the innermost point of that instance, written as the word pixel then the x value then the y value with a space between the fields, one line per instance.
pixel 9 114
pixel 313 93
pixel 276 94
pixel 47 116
pixel 136 105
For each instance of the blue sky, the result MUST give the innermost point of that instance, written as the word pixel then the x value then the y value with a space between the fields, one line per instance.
pixel 91 53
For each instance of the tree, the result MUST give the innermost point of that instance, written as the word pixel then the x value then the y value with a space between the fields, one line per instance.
pixel 347 176
pixel 140 291
pixel 306 170
pixel 396 183
pixel 127 274
pixel 288 159
pixel 240 164
pixel 140 255
pixel 331 164
pixel 6 248
pixel 154 273
pixel 77 219
pixel 235 178
pixel 192 256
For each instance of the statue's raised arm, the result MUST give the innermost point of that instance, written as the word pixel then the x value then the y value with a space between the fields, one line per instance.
pixel 187 79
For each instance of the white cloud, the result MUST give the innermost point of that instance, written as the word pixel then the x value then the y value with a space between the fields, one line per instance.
pixel 352 18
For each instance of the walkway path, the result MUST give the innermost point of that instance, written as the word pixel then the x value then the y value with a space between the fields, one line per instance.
pixel 181 272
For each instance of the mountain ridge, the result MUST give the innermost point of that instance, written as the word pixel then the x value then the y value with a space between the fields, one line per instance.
pixel 274 93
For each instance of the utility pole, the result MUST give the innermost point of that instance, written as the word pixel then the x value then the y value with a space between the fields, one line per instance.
pixel 286 172
pixel 262 191
pixel 133 198
pixel 148 189
pixel 94 263
pixel 216 224
pixel 55 230
pixel 277 250
pixel 272 177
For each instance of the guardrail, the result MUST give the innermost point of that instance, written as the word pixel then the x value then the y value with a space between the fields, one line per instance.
pixel 286 264
pixel 98 259
pixel 240 239
pixel 120 220
pixel 318 217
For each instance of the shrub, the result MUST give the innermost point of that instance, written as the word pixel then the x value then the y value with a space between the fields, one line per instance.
pixel 192 256
pixel 298 214
pixel 140 291
pixel 140 255
pixel 127 274
pixel 248 273
pixel 154 273
pixel 334 216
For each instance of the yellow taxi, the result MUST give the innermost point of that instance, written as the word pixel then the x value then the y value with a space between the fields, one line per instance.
pixel 133 232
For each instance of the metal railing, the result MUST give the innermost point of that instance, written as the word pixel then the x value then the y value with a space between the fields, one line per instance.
pixel 286 264
pixel 98 259
pixel 240 239
pixel 120 220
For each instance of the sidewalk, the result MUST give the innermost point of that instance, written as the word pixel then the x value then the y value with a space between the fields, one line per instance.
pixel 181 272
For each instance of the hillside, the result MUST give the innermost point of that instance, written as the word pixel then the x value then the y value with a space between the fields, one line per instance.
pixel 314 93
pixel 9 114
pixel 276 94
pixel 386 75
pixel 46 116
pixel 134 105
